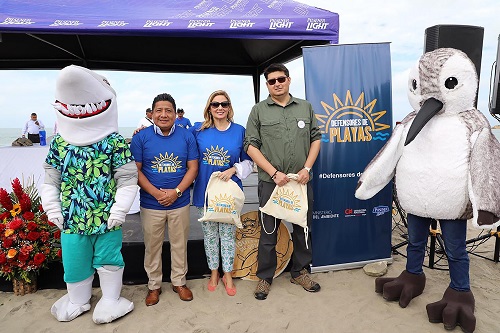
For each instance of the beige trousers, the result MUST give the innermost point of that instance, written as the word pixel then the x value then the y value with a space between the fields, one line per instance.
pixel 154 222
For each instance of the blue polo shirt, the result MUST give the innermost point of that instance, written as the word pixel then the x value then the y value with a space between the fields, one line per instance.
pixel 164 162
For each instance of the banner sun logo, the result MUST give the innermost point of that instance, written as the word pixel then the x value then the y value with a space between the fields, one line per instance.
pixel 166 164
pixel 349 121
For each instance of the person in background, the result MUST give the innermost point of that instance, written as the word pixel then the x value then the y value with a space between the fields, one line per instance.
pixel 167 159
pixel 282 137
pixel 181 120
pixel 147 120
pixel 32 128
pixel 220 146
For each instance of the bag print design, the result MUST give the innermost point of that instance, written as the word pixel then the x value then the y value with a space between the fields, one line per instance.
pixel 223 201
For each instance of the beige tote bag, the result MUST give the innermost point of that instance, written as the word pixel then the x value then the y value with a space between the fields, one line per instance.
pixel 288 203
pixel 223 201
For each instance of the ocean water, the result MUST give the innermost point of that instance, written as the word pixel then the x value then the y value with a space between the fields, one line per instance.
pixel 8 135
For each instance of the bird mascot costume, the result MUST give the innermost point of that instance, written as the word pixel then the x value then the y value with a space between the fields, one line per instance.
pixel 90 185
pixel 446 165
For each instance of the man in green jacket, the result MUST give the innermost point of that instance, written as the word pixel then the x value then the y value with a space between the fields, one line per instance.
pixel 282 137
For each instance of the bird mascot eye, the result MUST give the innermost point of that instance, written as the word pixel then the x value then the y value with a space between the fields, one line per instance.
pixel 451 82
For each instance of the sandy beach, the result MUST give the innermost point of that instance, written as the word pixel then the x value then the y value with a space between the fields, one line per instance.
pixel 346 303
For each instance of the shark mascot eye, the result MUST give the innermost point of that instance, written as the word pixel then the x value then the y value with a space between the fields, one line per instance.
pixel 443 158
pixel 90 185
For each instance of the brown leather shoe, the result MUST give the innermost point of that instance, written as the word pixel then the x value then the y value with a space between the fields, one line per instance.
pixel 153 297
pixel 184 293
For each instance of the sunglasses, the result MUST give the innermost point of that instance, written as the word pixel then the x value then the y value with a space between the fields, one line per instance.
pixel 281 79
pixel 215 105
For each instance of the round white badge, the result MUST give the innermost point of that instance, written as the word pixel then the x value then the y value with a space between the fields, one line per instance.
pixel 301 124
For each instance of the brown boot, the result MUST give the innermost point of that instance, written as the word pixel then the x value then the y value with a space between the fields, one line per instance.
pixel 455 308
pixel 306 282
pixel 404 288
pixel 262 290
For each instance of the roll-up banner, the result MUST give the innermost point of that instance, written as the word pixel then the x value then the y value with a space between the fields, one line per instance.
pixel 349 87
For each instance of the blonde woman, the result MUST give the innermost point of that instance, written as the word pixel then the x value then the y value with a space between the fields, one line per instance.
pixel 220 146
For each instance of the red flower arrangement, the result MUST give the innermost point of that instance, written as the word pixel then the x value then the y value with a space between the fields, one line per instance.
pixel 28 241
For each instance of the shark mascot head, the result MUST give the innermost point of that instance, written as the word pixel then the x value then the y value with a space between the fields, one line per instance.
pixel 446 165
pixel 85 105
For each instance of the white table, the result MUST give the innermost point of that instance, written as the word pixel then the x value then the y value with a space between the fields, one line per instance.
pixel 26 163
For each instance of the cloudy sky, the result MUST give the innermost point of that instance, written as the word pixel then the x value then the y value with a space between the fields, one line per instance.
pixel 402 23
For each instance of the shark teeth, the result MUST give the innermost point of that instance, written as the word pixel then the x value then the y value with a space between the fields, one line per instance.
pixel 81 110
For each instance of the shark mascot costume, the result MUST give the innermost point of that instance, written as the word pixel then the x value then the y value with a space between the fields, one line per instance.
pixel 446 164
pixel 90 185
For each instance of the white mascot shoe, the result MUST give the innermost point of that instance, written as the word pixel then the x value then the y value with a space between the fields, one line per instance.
pixel 75 302
pixel 111 306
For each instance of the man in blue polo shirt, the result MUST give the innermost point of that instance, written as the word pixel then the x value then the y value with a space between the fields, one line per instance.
pixel 181 120
pixel 167 159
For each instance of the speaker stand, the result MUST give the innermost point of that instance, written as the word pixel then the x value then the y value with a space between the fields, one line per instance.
pixel 435 235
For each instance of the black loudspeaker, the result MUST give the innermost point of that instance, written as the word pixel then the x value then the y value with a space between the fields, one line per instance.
pixel 495 93
pixel 466 38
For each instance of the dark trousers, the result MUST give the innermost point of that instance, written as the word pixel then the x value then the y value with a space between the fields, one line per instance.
pixel 35 138
pixel 454 236
pixel 301 257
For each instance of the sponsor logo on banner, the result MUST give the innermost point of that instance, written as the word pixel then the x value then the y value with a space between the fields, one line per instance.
pixel 222 204
pixel 235 24
pixel 324 214
pixel 280 24
pixel 166 163
pixel 380 210
pixel 12 20
pixel 113 24
pixel 200 24
pixel 157 23
pixel 349 212
pixel 352 120
pixel 65 23
pixel 287 199
pixel 316 24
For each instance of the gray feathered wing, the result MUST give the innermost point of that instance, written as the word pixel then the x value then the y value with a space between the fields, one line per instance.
pixel 484 177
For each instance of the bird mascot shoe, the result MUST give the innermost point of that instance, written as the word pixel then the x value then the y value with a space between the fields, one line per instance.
pixel 446 165
pixel 404 288
pixel 459 307
pixel 90 184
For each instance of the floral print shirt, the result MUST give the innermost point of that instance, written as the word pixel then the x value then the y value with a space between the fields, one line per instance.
pixel 88 187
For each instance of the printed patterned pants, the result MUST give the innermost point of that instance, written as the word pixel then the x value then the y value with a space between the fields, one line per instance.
pixel 215 233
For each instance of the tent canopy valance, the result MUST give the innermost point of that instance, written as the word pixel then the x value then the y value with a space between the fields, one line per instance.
pixel 197 36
